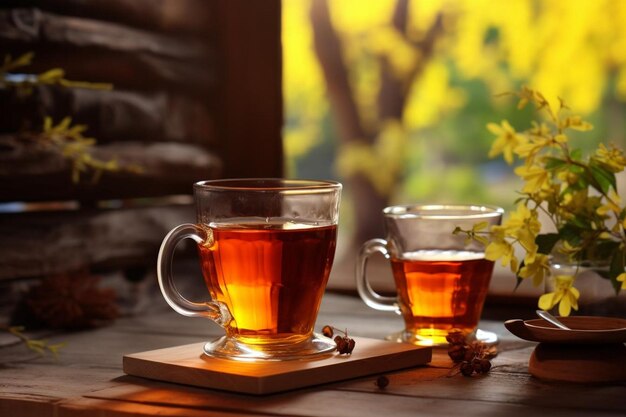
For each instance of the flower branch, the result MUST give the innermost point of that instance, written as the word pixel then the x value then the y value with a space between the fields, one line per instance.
pixel 578 195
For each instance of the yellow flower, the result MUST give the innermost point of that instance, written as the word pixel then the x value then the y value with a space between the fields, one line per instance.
pixel 524 226
pixel 564 294
pixel 507 140
pixel 539 129
pixel 536 178
pixel 549 194
pixel 536 269
pixel 560 138
pixel 612 157
pixel 499 248
pixel 622 278
pixel 613 203
pixel 475 233
pixel 576 123
pixel 529 149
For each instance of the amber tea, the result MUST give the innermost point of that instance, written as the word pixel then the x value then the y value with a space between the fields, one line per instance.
pixel 441 290
pixel 270 276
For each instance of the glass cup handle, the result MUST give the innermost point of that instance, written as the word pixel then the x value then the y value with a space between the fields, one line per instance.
pixel 371 297
pixel 213 310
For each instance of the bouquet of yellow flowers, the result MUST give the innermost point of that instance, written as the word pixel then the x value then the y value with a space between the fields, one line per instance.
pixel 578 195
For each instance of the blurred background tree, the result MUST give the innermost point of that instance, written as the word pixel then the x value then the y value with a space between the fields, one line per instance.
pixel 392 97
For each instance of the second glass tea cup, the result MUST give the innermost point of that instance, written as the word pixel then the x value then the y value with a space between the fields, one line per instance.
pixel 441 278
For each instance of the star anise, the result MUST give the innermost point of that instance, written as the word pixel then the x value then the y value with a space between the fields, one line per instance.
pixel 70 300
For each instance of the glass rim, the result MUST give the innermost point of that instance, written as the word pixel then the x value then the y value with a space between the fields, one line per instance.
pixel 264 185
pixel 443 211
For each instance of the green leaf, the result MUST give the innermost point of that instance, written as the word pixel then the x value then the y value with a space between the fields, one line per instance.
pixel 575 169
pixel 546 242
pixel 604 178
pixel 616 268
pixel 580 222
pixel 570 233
pixel 602 251
pixel 576 154
pixel 553 163
pixel 519 200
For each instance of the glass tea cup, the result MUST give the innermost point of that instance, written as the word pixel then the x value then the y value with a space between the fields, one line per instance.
pixel 266 248
pixel 441 278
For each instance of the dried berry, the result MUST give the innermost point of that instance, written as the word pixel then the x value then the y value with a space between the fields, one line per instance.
pixel 470 353
pixel 327 331
pixel 345 344
pixel 466 368
pixel 476 366
pixel 456 337
pixel 485 365
pixel 456 352
pixel 382 382
pixel 351 344
pixel 341 343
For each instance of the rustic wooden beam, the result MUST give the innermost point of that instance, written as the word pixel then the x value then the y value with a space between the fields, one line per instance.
pixel 36 244
pixel 186 16
pixel 92 50
pixel 250 105
pixel 35 26
pixel 112 115
pixel 30 171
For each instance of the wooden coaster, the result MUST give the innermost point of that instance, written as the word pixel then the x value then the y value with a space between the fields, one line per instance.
pixel 189 365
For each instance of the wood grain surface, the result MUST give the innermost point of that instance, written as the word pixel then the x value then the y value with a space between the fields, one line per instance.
pixel 88 380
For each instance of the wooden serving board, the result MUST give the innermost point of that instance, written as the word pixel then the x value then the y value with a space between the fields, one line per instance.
pixel 188 365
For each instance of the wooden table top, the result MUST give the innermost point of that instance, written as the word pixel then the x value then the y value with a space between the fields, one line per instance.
pixel 87 379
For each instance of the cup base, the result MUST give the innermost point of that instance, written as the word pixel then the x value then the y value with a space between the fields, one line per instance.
pixel 404 336
pixel 233 349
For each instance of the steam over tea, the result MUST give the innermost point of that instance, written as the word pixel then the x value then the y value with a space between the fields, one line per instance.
pixel 270 275
pixel 441 290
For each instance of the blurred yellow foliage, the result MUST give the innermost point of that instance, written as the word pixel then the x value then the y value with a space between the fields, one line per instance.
pixel 303 83
pixel 381 162
pixel 574 49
